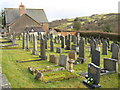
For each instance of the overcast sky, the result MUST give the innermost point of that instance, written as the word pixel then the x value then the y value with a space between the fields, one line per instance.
pixel 58 9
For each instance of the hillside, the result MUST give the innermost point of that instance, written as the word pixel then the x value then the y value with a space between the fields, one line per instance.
pixel 95 22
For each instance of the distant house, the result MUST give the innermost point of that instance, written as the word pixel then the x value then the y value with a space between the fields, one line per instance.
pixel 17 19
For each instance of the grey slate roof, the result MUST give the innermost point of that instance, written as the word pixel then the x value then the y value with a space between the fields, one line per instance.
pixel 11 14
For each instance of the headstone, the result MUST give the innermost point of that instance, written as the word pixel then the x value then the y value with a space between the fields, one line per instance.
pixel 62 41
pixel 34 52
pixel 67 44
pixel 23 41
pixel 45 38
pixel 58 50
pixel 54 59
pixel 51 37
pixel 27 41
pixel 51 46
pixel 111 47
pixel 63 61
pixel 96 57
pixel 110 64
pixel 14 38
pixel 115 51
pixel 92 47
pixel 73 47
pixel 72 55
pixel 93 76
pixel 74 39
pixel 42 49
pixel 81 51
pixel 104 47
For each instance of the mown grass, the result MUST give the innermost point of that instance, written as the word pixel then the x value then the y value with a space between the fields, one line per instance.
pixel 19 76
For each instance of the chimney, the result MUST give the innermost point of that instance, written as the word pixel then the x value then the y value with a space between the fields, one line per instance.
pixel 21 9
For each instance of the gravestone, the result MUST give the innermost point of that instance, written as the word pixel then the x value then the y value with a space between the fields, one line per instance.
pixel 108 42
pixel 62 41
pixel 13 38
pixel 93 76
pixel 58 50
pixel 92 47
pixel 96 57
pixel 115 51
pixel 51 37
pixel 23 41
pixel 54 59
pixel 27 41
pixel 66 40
pixel 58 39
pixel 73 47
pixel 104 47
pixel 34 52
pixel 72 55
pixel 74 39
pixel 81 51
pixel 67 44
pixel 55 39
pixel 110 64
pixel 111 47
pixel 45 38
pixel 63 61
pixel 51 46
pixel 42 49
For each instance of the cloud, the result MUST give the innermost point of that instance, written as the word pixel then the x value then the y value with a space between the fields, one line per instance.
pixel 56 9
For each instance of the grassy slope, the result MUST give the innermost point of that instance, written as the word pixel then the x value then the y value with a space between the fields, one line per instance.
pixel 89 19
pixel 19 76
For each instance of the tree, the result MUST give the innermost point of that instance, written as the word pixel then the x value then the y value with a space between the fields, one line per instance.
pixel 76 24
pixel 107 28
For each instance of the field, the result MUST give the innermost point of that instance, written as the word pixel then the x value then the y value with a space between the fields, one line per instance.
pixel 19 76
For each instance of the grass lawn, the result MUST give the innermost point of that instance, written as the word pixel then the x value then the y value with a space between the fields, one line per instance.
pixel 19 76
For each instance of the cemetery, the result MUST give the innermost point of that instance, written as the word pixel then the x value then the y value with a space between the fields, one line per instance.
pixel 81 52
pixel 43 60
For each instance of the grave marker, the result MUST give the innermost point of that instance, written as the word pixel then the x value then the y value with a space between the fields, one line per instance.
pixel 96 57
pixel 34 52
pixel 93 76
pixel 42 49
pixel 104 47
pixel 63 61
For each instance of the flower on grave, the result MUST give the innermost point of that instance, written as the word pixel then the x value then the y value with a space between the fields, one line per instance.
pixel 90 80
